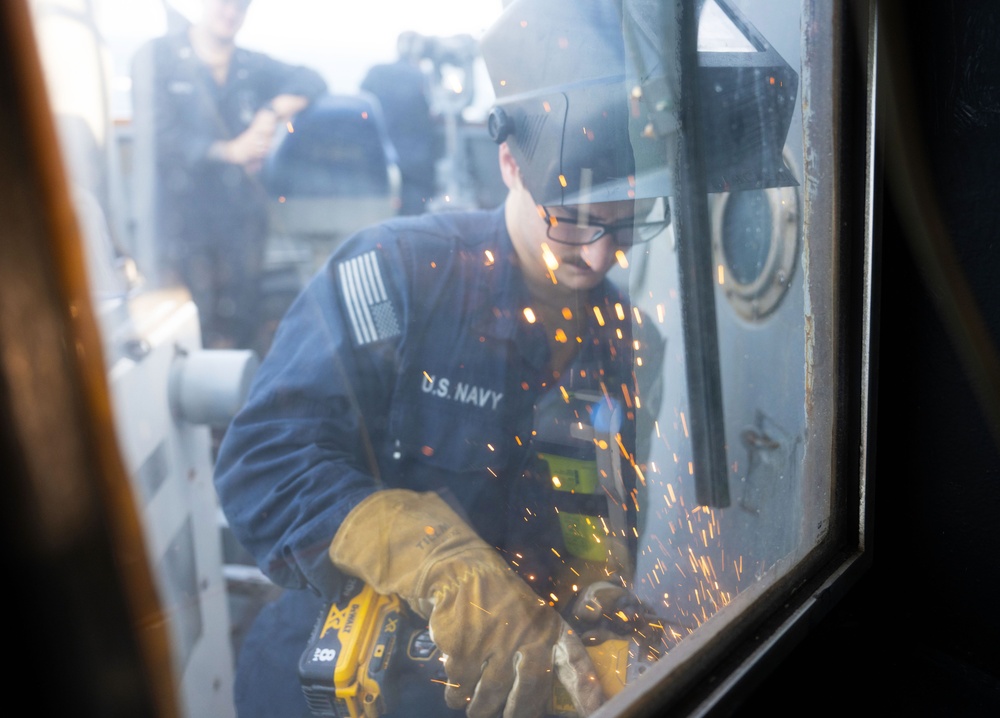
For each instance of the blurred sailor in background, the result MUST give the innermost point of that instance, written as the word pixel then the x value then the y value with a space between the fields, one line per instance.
pixel 403 91
pixel 205 115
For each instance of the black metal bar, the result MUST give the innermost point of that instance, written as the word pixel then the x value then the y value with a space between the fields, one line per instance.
pixel 694 253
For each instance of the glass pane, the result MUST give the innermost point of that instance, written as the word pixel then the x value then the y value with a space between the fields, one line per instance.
pixel 454 248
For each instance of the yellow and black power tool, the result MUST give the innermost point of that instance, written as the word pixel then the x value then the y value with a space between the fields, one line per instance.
pixel 369 651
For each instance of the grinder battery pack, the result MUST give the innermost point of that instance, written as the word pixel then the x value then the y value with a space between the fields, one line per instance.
pixel 366 649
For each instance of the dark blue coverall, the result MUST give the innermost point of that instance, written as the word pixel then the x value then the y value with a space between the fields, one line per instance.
pixel 407 362
pixel 211 217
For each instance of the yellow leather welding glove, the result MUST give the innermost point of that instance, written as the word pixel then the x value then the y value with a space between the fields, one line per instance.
pixel 502 643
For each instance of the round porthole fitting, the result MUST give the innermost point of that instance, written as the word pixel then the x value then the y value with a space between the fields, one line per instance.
pixel 755 243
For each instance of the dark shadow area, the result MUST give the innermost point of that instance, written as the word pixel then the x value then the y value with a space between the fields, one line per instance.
pixel 919 633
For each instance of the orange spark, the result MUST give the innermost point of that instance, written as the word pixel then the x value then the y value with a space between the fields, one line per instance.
pixel 549 257
pixel 446 683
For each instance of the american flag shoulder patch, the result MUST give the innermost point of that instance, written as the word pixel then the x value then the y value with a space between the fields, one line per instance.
pixel 372 315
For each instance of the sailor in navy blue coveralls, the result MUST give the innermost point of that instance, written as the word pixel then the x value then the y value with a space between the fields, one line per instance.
pixel 410 361
pixel 426 365
pixel 210 212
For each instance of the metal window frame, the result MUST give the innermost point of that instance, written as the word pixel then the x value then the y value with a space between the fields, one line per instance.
pixel 38 241
pixel 712 671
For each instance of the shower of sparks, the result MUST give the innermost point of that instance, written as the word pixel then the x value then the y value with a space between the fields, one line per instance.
pixel 622 259
pixel 687 576
pixel 688 589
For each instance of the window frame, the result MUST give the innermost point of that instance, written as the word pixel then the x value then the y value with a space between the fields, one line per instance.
pixel 715 669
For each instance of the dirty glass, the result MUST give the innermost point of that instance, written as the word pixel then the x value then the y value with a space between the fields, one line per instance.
pixel 543 387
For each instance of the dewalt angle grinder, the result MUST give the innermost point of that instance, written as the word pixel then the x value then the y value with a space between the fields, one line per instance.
pixel 369 652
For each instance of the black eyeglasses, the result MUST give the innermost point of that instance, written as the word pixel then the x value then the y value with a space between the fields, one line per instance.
pixel 567 230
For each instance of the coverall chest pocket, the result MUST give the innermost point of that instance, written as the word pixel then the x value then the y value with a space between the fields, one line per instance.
pixel 447 424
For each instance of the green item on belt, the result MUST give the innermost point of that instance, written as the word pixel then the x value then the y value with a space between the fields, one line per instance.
pixel 581 533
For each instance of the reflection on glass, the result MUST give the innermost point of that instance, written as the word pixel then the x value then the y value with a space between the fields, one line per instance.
pixel 494 380
pixel 718 33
